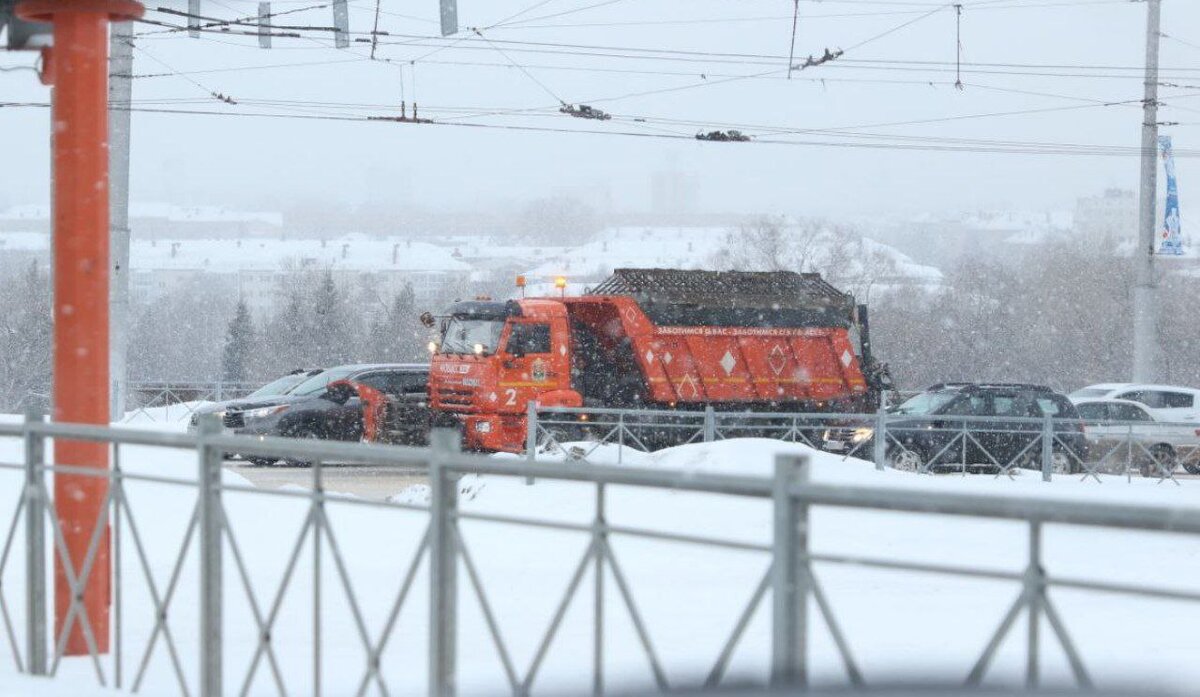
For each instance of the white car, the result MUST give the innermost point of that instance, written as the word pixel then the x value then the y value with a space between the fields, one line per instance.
pixel 1166 402
pixel 1113 425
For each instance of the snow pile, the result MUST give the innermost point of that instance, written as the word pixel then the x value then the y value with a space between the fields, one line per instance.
pixel 899 625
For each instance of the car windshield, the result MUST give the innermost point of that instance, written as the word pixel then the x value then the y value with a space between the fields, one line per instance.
pixel 926 403
pixel 1089 393
pixel 318 382
pixel 277 387
pixel 463 335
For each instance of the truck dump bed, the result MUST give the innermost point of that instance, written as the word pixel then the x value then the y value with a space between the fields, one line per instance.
pixel 718 337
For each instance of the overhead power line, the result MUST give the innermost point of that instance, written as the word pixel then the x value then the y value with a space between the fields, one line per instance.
pixel 855 141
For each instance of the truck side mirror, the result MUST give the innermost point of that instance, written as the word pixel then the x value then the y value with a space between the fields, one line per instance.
pixel 427 319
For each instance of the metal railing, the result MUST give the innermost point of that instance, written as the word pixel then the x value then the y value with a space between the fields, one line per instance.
pixel 176 397
pixel 789 578
pixel 941 443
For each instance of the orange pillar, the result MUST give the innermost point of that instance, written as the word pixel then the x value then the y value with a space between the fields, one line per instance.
pixel 78 68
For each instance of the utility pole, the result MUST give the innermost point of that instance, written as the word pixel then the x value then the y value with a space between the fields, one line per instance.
pixel 120 91
pixel 1145 289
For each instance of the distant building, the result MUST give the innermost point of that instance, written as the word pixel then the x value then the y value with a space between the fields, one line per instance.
pixel 163 221
pixel 672 192
pixel 1109 219
pixel 254 268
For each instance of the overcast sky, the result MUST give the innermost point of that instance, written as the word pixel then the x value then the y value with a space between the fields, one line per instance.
pixel 904 72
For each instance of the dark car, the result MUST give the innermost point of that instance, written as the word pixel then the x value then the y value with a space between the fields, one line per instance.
pixel 260 397
pixel 311 410
pixel 982 426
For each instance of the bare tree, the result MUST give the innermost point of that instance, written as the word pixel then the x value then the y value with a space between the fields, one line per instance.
pixel 25 338
pixel 838 253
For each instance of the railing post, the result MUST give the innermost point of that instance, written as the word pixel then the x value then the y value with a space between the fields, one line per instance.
pixel 881 433
pixel 789 571
pixel 1047 448
pixel 1035 589
pixel 443 565
pixel 35 547
pixel 1129 452
pixel 600 540
pixel 620 437
pixel 211 610
pixel 531 427
pixel 220 391
pixel 710 424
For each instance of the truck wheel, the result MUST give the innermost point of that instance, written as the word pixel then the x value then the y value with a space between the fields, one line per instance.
pixel 906 459
pixel 1162 461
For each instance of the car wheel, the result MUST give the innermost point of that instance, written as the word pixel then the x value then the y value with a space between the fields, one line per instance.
pixel 906 459
pixel 1162 461
pixel 1061 462
pixel 303 433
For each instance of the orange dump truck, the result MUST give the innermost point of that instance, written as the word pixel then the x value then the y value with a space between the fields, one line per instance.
pixel 653 339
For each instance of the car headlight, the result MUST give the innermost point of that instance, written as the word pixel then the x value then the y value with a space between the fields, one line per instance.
pixel 483 426
pixel 264 412
pixel 862 434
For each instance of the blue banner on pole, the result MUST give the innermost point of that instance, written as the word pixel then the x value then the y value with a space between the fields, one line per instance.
pixel 1171 240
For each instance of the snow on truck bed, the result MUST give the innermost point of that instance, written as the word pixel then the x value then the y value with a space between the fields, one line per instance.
pixel 899 625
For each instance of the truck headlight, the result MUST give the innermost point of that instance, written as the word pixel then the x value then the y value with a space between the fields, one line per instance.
pixel 264 412
pixel 862 435
pixel 483 426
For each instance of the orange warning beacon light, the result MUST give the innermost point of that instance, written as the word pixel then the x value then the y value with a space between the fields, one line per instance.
pixel 560 282
pixel 521 285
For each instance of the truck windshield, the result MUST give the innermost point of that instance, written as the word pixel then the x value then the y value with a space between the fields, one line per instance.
pixel 463 335
pixel 926 403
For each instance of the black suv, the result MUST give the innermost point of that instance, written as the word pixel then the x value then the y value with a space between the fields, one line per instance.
pixel 311 410
pixel 983 426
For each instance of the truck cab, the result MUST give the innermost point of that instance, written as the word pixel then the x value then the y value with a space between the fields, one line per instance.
pixel 491 359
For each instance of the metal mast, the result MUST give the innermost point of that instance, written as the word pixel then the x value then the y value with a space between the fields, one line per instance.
pixel 120 89
pixel 1145 300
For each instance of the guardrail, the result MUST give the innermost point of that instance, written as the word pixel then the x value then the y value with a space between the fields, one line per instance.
pixel 919 443
pixel 790 578
pixel 175 397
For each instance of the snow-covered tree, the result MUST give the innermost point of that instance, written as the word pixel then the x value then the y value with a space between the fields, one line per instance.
pixel 25 338
pixel 239 346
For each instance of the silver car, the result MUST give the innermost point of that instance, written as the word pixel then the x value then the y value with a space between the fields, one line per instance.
pixel 1121 432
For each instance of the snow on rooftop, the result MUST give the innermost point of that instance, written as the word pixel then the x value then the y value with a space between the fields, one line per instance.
pixel 164 211
pixel 24 241
pixel 678 248
pixel 349 252
pixel 202 214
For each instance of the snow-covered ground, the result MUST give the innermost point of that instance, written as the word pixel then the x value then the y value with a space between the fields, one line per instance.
pixel 899 625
